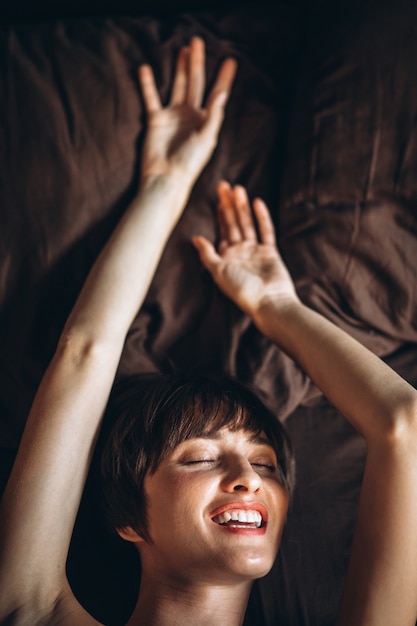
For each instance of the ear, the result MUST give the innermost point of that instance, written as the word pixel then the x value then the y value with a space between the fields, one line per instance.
pixel 129 534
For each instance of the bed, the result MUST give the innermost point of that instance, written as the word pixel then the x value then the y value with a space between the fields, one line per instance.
pixel 322 123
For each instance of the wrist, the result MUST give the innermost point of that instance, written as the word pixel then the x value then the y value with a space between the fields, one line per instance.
pixel 169 192
pixel 171 181
pixel 273 314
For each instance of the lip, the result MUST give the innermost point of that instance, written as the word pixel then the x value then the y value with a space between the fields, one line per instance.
pixel 243 506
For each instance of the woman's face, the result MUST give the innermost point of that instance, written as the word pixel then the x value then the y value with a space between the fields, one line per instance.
pixel 216 509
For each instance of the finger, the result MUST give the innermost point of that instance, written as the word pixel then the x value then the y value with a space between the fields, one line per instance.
pixel 230 229
pixel 179 88
pixel 218 98
pixel 223 82
pixel 244 214
pixel 221 225
pixel 222 247
pixel 149 91
pixel 197 73
pixel 219 213
pixel 210 130
pixel 207 253
pixel 264 221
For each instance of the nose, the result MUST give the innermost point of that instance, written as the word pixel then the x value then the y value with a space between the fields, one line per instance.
pixel 240 476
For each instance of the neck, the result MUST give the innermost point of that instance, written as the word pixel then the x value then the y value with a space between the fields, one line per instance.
pixel 166 603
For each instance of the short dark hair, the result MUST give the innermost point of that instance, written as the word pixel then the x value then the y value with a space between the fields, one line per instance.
pixel 154 413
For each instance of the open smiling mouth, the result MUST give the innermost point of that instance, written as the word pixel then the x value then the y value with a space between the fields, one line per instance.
pixel 239 519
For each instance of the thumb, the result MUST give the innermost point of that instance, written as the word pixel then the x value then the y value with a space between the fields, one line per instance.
pixel 207 253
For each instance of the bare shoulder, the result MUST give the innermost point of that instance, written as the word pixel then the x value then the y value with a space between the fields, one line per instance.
pixel 66 611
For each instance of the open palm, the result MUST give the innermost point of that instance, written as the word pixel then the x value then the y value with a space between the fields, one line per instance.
pixel 247 265
pixel 184 134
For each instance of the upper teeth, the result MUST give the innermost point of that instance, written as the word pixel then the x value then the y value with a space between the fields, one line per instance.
pixel 250 517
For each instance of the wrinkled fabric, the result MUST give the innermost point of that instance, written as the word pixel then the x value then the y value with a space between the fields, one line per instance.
pixel 72 129
pixel 321 124
pixel 349 200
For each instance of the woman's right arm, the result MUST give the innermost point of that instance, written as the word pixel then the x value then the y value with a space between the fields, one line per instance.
pixel 42 496
pixel 380 589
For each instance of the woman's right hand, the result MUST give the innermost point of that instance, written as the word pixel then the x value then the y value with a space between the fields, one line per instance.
pixel 247 266
pixel 181 137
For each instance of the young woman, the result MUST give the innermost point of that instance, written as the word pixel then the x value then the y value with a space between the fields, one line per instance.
pixel 197 474
pixel 197 565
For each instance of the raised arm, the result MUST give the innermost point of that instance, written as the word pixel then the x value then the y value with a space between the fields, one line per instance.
pixel 381 586
pixel 43 493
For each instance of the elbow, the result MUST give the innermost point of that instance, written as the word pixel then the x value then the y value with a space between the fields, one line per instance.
pixel 79 348
pixel 402 425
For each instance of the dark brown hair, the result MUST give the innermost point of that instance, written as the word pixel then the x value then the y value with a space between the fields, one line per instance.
pixel 152 414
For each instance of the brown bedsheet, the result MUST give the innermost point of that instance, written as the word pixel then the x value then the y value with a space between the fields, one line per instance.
pixel 322 125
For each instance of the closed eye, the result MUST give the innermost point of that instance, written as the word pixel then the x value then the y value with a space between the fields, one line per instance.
pixel 265 466
pixel 199 461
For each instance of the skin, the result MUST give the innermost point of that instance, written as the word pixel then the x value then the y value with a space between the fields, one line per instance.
pixel 203 569
pixel 43 493
pixel 375 400
pixel 44 490
pixel 199 476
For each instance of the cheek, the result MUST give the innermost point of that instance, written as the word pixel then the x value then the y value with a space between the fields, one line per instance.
pixel 180 500
pixel 281 503
pixel 283 500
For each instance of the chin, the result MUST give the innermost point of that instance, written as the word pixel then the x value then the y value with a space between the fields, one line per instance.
pixel 252 568
pixel 260 571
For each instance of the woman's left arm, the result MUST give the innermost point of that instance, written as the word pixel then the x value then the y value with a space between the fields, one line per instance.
pixel 381 585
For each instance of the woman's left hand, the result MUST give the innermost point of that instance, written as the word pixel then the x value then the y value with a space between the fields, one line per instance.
pixel 182 136
pixel 247 266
